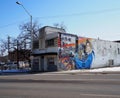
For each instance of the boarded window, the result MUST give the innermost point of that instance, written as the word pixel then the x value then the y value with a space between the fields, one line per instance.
pixel 50 61
pixel 35 44
pixel 111 62
pixel 50 43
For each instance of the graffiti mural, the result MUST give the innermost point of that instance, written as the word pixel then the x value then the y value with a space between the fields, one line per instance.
pixel 67 46
pixel 85 54
pixel 75 54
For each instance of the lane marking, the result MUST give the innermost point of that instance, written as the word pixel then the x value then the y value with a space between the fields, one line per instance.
pixel 101 95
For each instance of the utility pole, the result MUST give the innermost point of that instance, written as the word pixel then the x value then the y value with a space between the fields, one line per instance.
pixel 31 27
pixel 8 47
pixel 17 54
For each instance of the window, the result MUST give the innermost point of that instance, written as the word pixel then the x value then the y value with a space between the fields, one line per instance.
pixel 35 45
pixel 118 50
pixel 50 43
pixel 41 44
pixel 50 61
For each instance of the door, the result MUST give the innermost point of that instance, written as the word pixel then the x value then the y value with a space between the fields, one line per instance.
pixel 35 64
pixel 42 63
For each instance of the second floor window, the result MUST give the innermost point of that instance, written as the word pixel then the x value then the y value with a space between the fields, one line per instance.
pixel 35 45
pixel 50 43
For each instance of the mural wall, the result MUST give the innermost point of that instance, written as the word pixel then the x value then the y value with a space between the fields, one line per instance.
pixel 85 53
pixel 75 52
pixel 67 48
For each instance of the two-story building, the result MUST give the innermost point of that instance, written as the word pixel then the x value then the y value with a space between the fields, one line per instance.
pixel 45 49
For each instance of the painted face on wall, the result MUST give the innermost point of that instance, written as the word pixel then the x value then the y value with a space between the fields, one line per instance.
pixel 86 54
pixel 88 48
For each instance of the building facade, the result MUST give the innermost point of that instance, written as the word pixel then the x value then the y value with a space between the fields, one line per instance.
pixel 19 55
pixel 58 50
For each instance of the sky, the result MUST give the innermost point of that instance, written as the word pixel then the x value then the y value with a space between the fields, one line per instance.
pixel 88 18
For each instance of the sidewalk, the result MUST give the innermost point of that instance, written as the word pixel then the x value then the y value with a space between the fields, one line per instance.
pixel 75 76
pixel 109 70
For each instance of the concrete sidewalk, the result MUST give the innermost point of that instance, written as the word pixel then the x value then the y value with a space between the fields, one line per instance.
pixel 62 78
pixel 101 75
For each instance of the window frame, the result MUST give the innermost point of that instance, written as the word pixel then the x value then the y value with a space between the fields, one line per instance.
pixel 50 43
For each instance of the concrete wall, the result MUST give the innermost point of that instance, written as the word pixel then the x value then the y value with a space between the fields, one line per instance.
pixel 106 53
pixel 50 30
pixel 44 51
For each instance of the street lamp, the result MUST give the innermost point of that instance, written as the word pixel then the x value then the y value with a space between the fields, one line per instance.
pixel 30 23
pixel 31 32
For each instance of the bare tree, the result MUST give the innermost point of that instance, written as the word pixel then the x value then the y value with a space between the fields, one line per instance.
pixel 60 25
pixel 25 35
pixel 2 50
pixel 3 47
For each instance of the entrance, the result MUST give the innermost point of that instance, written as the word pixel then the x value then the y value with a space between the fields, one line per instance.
pixel 35 64
pixel 42 63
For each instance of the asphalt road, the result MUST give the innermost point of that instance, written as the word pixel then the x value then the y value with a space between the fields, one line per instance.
pixel 60 86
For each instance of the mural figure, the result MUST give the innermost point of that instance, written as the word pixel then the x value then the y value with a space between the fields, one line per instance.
pixel 85 55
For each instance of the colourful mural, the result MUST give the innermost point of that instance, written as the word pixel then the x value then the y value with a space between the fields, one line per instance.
pixel 75 54
pixel 67 46
pixel 85 54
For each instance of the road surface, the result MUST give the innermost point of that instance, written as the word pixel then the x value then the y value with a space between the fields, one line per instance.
pixel 60 86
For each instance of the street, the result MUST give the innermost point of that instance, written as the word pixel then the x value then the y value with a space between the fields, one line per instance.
pixel 60 86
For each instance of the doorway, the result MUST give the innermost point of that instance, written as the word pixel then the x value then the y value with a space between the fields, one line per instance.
pixel 42 63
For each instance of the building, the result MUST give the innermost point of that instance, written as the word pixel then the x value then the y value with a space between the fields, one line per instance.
pixel 57 50
pixel 19 55
pixel 45 49
pixel 3 58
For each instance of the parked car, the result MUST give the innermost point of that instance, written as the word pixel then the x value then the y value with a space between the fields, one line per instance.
pixel 12 65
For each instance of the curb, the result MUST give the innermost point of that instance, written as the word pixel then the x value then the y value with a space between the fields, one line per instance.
pixel 86 72
pixel 80 81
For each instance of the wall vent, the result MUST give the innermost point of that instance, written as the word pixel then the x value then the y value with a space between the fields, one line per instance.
pixel 111 62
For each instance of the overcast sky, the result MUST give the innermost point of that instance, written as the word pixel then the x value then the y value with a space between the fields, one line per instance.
pixel 89 18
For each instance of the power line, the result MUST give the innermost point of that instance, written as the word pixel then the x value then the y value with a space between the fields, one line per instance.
pixel 10 24
pixel 82 13
pixel 70 15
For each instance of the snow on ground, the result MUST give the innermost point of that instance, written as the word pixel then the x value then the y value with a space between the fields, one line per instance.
pixel 108 69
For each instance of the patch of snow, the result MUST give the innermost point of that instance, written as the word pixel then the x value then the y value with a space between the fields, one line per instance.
pixel 108 69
